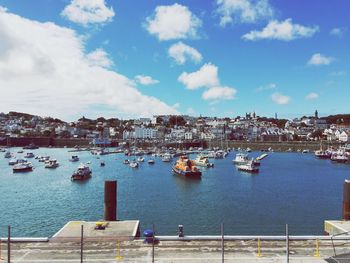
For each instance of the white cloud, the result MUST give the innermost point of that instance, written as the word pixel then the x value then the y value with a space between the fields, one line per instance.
pixel 99 58
pixel 311 96
pixel 173 22
pixel 243 11
pixel 86 12
pixel 280 99
pixel 338 32
pixel 270 86
pixel 284 30
pixel 206 76
pixel 44 70
pixel 145 80
pixel 219 93
pixel 319 59
pixel 181 53
pixel 191 111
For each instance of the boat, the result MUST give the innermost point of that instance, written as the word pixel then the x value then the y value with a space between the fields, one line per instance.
pixel 52 164
pixel 20 151
pixel 241 158
pixel 134 164
pixel 166 157
pixel 13 161
pixel 220 154
pixel 186 167
pixel 323 154
pixel 248 167
pixel 22 167
pixel 31 146
pixel 248 150
pixel 151 161
pixel 74 158
pixel 203 161
pixel 29 155
pixel 140 159
pixel 126 161
pixel 102 163
pixel 82 173
pixel 8 154
pixel 2 150
pixel 264 155
pixel 306 151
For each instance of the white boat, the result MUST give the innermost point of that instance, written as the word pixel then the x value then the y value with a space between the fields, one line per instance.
pixel 203 161
pixel 82 173
pixel 248 167
pixel 166 157
pixel 74 158
pixel 126 161
pixel 13 161
pixel 140 159
pixel 323 154
pixel 151 161
pixel 306 151
pixel 241 158
pixel 134 164
pixel 248 150
pixel 22 167
pixel 29 155
pixel 2 150
pixel 52 164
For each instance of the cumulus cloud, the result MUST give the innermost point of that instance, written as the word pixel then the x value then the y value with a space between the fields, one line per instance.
pixel 181 52
pixel 243 11
pixel 44 70
pixel 284 31
pixel 319 59
pixel 280 99
pixel 338 32
pixel 99 57
pixel 87 12
pixel 311 96
pixel 173 22
pixel 219 93
pixel 145 80
pixel 206 76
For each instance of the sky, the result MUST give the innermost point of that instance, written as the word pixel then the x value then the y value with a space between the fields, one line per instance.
pixel 131 59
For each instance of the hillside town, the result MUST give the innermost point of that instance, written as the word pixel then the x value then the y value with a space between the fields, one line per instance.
pixel 250 127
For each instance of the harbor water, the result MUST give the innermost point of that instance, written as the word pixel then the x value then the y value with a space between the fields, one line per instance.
pixel 292 188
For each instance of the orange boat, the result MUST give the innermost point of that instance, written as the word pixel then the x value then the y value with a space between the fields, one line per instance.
pixel 186 167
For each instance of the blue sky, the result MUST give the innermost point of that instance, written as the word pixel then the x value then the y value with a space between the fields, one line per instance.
pixel 138 58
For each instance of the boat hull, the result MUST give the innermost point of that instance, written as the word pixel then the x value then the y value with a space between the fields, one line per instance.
pixel 23 170
pixel 193 174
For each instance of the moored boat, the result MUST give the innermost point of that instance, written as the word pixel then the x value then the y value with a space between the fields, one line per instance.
pixel 140 159
pixel 248 167
pixel 151 161
pixel 82 173
pixel 126 161
pixel 8 154
pixel 166 158
pixel 203 161
pixel 74 158
pixel 323 154
pixel 186 167
pixel 22 167
pixel 51 164
pixel 29 155
pixel 134 164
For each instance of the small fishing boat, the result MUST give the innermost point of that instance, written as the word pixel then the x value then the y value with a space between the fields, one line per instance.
pixel 140 159
pixel 241 158
pixel 126 161
pixel 82 173
pixel 8 154
pixel 74 158
pixel 166 157
pixel 22 167
pixel 51 164
pixel 102 163
pixel 248 167
pixel 134 164
pixel 29 155
pixel 151 161
pixel 203 161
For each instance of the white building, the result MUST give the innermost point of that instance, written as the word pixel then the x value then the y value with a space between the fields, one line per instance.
pixel 145 133
pixel 188 136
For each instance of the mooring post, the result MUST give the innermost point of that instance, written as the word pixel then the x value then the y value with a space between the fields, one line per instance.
pixel 222 243
pixel 152 243
pixel 287 243
pixel 9 244
pixel 82 244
